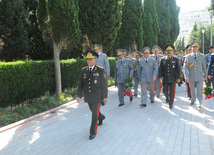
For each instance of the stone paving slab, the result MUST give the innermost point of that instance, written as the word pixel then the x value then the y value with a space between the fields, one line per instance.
pixel 126 130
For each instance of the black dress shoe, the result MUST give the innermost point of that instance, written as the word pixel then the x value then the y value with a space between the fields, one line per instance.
pixel 91 136
pixel 167 101
pixel 101 121
pixel 170 107
pixel 142 105
pixel 192 103
pixel 121 105
pixel 152 101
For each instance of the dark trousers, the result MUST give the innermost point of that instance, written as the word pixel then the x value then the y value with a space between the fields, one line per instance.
pixel 188 90
pixel 169 92
pixel 96 115
pixel 210 82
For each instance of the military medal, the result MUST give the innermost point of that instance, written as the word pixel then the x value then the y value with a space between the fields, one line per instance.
pixel 95 81
pixel 85 75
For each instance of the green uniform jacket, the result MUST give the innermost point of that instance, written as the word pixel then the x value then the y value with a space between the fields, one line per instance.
pixel 94 85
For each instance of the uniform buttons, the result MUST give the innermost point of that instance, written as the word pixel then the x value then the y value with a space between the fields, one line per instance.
pixel 89 91
pixel 89 83
pixel 89 79
pixel 168 74
pixel 89 87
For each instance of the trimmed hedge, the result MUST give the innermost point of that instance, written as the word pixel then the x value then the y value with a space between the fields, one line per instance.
pixel 26 80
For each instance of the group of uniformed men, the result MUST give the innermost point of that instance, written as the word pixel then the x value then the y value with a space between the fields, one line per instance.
pixel 148 71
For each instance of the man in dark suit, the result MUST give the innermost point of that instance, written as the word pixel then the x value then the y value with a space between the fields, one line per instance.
pixel 94 84
pixel 169 70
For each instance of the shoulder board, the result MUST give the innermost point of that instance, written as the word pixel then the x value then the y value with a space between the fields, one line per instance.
pixel 99 67
pixel 85 67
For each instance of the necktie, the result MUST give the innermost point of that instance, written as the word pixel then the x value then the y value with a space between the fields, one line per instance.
pixel 146 60
pixel 156 57
pixel 121 61
pixel 90 69
pixel 138 61
pixel 98 56
pixel 195 56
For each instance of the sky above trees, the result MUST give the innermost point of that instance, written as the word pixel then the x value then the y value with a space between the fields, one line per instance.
pixel 192 5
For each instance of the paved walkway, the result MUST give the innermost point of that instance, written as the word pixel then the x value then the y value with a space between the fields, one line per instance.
pixel 126 130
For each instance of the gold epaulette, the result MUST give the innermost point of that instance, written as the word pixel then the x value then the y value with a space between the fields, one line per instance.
pixel 99 67
pixel 85 67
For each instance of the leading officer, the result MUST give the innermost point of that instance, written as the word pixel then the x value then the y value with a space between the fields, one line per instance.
pixel 169 70
pixel 94 84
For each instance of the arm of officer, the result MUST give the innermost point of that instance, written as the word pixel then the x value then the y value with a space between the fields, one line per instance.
pixel 186 72
pixel 80 87
pixel 204 69
pixel 209 68
pixel 104 87
pixel 160 69
pixel 107 66
pixel 155 70
pixel 131 70
pixel 139 72
pixel 115 74
pixel 178 71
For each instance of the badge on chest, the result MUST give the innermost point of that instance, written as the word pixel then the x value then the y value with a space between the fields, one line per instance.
pixel 96 74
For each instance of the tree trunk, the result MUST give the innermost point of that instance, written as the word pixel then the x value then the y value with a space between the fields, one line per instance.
pixel 57 52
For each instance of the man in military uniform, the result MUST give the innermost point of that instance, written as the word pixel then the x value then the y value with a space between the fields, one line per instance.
pixel 169 70
pixel 136 79
pixel 210 68
pixel 123 70
pixel 156 50
pixel 195 72
pixel 102 61
pixel 207 58
pixel 147 73
pixel 94 84
pixel 188 51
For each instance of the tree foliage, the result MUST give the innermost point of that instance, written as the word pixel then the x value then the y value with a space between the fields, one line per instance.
pixel 13 38
pixel 163 12
pixel 100 20
pixel 131 28
pixel 150 23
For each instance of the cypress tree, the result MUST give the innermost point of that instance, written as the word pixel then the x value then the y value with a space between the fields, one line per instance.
pixel 131 28
pixel 38 48
pixel 59 23
pixel 13 36
pixel 174 20
pixel 163 12
pixel 150 23
pixel 100 20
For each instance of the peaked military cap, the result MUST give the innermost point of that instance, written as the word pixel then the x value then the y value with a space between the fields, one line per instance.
pixel 176 51
pixel 91 54
pixel 188 47
pixel 210 47
pixel 155 48
pixel 181 51
pixel 146 50
pixel 196 43
pixel 138 53
pixel 169 47
pixel 97 46
pixel 119 51
pixel 129 53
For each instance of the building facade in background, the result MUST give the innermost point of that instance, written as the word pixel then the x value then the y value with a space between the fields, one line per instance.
pixel 187 21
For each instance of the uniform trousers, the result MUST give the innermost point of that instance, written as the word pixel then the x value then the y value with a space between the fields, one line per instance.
pixel 169 92
pixel 210 82
pixel 144 91
pixel 199 87
pixel 157 87
pixel 136 83
pixel 188 90
pixel 121 89
pixel 96 115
